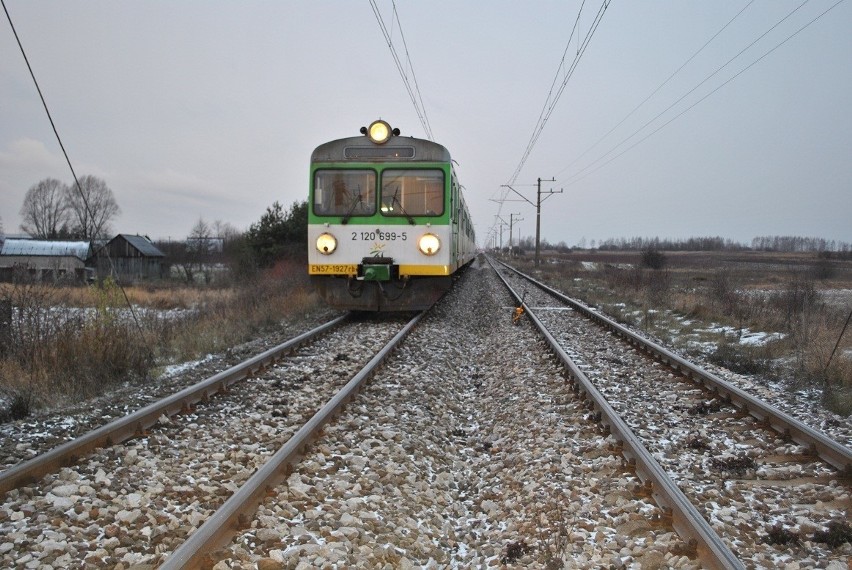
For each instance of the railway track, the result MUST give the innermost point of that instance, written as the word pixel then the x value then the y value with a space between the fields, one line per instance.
pixel 771 487
pixel 136 423
pixel 467 448
pixel 453 457
pixel 156 488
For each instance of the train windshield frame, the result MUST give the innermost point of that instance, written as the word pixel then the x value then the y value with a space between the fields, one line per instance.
pixel 410 192
pixel 345 192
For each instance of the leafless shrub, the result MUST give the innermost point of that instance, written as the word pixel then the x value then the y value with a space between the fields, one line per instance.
pixel 659 284
pixel 89 356
pixel 61 352
pixel 555 535
pixel 799 300
pixel 624 279
pixel 722 290
pixel 837 382
pixel 57 353
pixel 224 320
pixel 742 295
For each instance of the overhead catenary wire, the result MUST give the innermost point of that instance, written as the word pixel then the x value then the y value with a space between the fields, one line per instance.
pixel 552 100
pixel 574 178
pixel 659 87
pixel 413 90
pixel 565 73
pixel 588 169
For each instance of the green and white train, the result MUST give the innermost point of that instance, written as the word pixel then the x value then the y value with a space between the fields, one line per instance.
pixel 388 227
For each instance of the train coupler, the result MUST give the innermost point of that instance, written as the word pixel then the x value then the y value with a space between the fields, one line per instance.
pixel 377 268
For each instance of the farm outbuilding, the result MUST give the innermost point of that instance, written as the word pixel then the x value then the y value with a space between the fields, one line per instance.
pixel 131 258
pixel 46 260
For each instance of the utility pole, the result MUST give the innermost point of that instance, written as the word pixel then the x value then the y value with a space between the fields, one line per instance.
pixel 514 218
pixel 501 223
pixel 549 193
pixel 537 206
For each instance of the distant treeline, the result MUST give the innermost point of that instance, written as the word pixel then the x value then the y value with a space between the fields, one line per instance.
pixel 785 244
pixel 800 244
pixel 690 244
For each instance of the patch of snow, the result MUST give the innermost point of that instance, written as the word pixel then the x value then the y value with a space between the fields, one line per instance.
pixel 176 369
pixel 759 338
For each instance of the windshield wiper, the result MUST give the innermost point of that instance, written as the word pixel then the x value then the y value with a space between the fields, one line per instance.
pixel 395 199
pixel 355 201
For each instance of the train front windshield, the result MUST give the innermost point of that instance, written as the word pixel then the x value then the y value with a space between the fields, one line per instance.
pixel 412 192
pixel 404 192
pixel 345 192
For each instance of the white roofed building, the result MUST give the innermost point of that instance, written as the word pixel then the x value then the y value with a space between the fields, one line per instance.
pixel 46 260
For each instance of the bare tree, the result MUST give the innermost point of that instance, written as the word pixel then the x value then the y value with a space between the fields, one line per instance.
pixel 224 230
pixel 45 210
pixel 196 256
pixel 92 207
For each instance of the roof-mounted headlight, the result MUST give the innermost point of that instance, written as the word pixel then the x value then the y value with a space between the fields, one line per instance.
pixel 429 244
pixel 326 244
pixel 379 132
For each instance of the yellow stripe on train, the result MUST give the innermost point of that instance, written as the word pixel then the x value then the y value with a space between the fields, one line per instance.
pixel 404 270
pixel 424 270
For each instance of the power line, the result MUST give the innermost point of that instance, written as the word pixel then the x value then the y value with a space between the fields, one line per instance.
pixel 552 100
pixel 413 91
pixel 46 110
pixel 657 90
pixel 68 161
pixel 580 174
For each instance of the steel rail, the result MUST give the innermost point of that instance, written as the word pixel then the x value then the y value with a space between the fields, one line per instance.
pixel 820 445
pixel 235 513
pixel 136 423
pixel 686 520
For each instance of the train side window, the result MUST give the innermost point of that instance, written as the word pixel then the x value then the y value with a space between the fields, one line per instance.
pixel 344 192
pixel 412 192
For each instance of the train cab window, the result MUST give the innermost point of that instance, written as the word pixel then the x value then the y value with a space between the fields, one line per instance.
pixel 344 192
pixel 413 192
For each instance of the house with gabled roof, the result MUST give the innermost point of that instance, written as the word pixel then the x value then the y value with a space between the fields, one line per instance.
pixel 131 258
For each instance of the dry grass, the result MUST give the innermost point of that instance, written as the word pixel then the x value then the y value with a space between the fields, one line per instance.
pixel 758 291
pixel 66 344
pixel 160 296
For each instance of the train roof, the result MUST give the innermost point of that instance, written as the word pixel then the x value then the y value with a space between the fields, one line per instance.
pixel 361 149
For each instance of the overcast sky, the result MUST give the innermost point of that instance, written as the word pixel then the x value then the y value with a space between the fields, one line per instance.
pixel 211 109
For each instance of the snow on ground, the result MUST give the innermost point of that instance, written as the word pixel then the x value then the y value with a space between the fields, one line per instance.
pixel 744 336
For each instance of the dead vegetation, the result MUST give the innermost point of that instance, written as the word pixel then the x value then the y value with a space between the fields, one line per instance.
pixel 709 303
pixel 65 344
pixel 836 535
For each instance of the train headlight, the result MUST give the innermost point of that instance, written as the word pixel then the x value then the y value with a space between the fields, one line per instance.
pixel 429 244
pixel 326 244
pixel 379 132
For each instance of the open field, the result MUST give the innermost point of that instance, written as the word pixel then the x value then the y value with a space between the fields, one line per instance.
pixel 777 315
